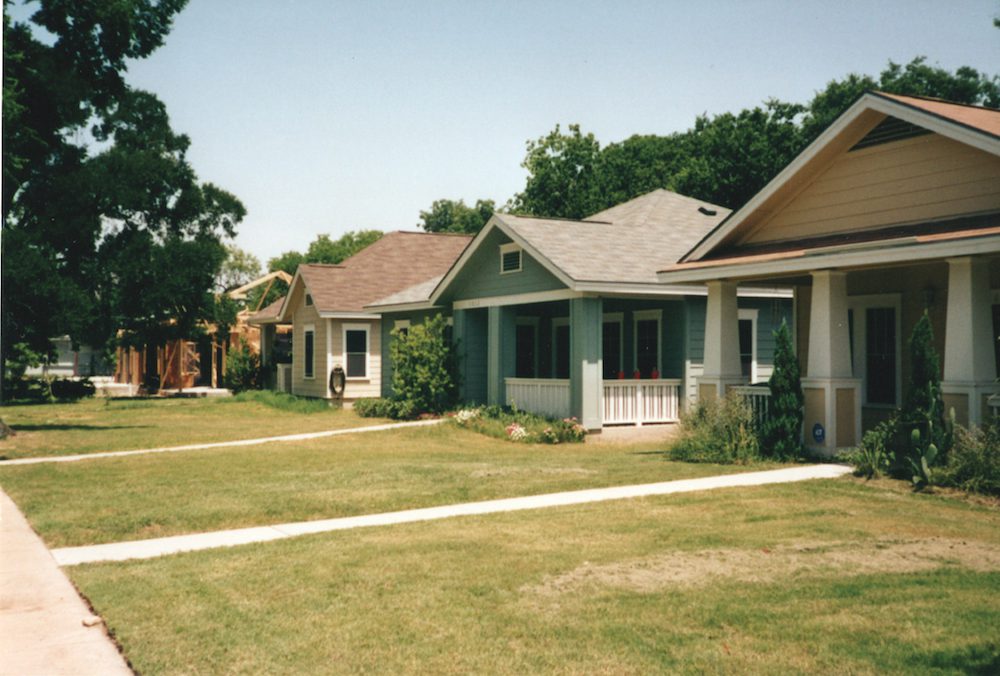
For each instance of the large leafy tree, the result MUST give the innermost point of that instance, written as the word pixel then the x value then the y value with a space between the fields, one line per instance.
pixel 106 226
pixel 456 216
pixel 724 159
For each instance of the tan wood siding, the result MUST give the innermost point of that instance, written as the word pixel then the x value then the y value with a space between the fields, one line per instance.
pixel 304 316
pixel 370 386
pixel 913 180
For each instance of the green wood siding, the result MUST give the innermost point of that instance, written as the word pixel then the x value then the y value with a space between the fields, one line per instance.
pixel 480 276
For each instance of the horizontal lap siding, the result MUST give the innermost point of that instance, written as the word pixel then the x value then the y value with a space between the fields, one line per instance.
pixel 480 276
pixel 913 180
pixel 372 385
pixel 302 386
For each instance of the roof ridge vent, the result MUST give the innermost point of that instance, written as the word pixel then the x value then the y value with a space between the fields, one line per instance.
pixel 708 212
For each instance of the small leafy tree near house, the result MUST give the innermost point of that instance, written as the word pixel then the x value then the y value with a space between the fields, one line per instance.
pixel 782 431
pixel 424 375
pixel 243 368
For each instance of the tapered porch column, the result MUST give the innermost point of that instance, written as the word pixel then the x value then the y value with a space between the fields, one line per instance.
pixel 586 361
pixel 501 352
pixel 969 360
pixel 722 341
pixel 832 394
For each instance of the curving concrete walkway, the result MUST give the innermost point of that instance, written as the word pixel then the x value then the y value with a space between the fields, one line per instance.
pixel 144 549
pixel 219 444
pixel 41 615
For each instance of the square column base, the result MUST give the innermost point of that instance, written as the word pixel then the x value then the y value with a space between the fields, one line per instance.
pixel 710 387
pixel 832 417
pixel 970 400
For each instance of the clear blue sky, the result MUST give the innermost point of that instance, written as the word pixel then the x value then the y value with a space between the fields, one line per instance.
pixel 327 116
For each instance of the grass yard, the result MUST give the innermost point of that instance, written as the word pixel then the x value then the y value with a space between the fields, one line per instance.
pixel 823 576
pixel 108 500
pixel 98 424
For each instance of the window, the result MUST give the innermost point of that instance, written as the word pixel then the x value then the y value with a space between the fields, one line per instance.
pixel 647 342
pixel 510 258
pixel 309 360
pixel 309 299
pixel 560 347
pixel 402 326
pixel 356 350
pixel 874 344
pixel 996 335
pixel 611 341
pixel 748 344
pixel 449 331
pixel 526 365
pixel 880 355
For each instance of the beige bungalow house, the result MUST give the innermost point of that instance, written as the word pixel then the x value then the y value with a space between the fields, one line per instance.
pixel 893 211
pixel 331 327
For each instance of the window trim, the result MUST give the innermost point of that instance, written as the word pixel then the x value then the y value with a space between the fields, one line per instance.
pixel 309 300
pixel 859 305
pixel 646 315
pixel 306 366
pixel 533 322
pixel 400 324
pixel 511 247
pixel 751 314
pixel 368 349
pixel 615 318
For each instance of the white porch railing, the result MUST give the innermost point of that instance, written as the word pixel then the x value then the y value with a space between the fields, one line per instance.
pixel 545 396
pixel 636 402
pixel 759 399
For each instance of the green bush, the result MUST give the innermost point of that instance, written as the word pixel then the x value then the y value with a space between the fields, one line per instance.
pixel 424 369
pixel 520 426
pixel 974 461
pixel 243 370
pixel 69 389
pixel 871 459
pixel 717 430
pixel 375 408
pixel 781 436
pixel 281 401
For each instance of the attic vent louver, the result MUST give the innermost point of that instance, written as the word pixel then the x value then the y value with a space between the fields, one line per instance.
pixel 707 211
pixel 890 129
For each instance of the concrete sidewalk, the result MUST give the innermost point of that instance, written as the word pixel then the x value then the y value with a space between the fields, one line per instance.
pixel 41 615
pixel 144 549
pixel 220 444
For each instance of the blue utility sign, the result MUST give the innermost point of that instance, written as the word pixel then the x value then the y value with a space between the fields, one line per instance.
pixel 819 434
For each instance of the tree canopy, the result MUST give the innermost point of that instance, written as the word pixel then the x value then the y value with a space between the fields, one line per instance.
pixel 724 159
pixel 450 216
pixel 106 226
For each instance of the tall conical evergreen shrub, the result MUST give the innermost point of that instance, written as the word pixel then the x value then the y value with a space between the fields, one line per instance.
pixel 782 431
pixel 923 408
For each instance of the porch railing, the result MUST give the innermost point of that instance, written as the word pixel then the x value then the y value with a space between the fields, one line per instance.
pixel 545 396
pixel 636 402
pixel 758 398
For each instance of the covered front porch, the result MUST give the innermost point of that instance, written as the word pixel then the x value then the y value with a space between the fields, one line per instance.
pixel 603 360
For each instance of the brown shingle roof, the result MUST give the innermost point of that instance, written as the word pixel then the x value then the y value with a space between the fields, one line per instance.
pixel 395 262
pixel 267 314
pixel 975 117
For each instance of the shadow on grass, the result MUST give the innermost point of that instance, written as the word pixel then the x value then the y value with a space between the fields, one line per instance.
pixel 983 658
pixel 59 427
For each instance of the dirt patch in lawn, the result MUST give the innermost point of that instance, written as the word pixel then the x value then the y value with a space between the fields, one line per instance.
pixel 534 471
pixel 653 573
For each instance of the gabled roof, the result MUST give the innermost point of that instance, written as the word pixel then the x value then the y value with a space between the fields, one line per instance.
pixel 395 262
pixel 975 126
pixel 268 314
pixel 625 244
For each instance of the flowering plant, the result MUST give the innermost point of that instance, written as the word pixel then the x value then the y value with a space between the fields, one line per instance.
pixel 516 432
pixel 466 415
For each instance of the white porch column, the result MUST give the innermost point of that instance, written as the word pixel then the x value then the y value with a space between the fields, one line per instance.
pixel 969 360
pixel 722 341
pixel 832 394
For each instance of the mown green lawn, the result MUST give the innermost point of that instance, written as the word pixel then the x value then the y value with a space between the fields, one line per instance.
pixel 816 577
pixel 108 500
pixel 99 424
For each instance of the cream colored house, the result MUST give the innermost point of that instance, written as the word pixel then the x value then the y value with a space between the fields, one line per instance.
pixel 893 210
pixel 325 305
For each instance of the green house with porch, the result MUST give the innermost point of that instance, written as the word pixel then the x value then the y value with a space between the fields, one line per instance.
pixel 568 318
